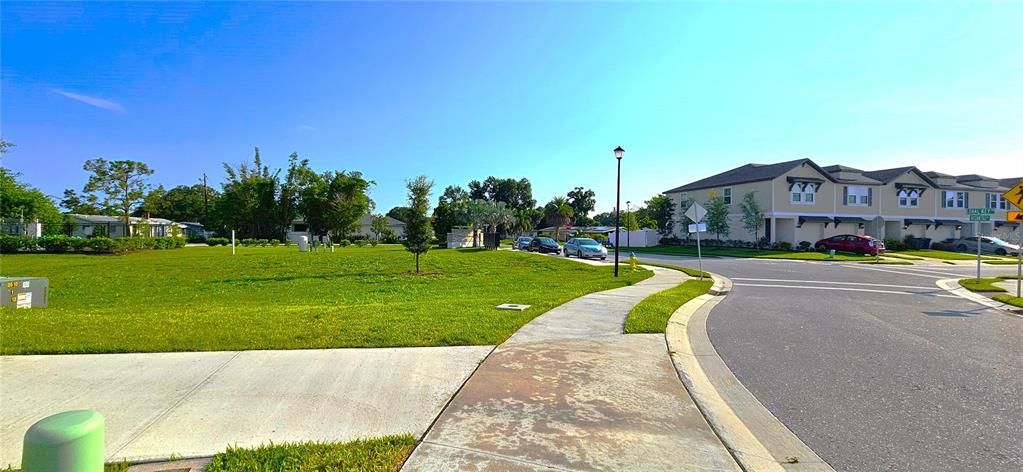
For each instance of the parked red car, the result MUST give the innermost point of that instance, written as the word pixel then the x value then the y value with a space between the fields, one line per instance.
pixel 852 243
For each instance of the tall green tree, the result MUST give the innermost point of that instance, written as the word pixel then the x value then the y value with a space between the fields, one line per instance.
pixel 119 185
pixel 517 194
pixel 250 201
pixel 752 216
pixel 347 201
pixel 21 201
pixel 181 203
pixel 81 204
pixel 418 232
pixel 582 201
pixel 661 210
pixel 717 216
pixel 400 213
pixel 450 210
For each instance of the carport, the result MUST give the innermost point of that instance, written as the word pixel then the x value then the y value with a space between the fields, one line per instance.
pixel 854 224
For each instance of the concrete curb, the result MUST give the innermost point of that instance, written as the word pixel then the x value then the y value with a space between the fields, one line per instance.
pixel 754 436
pixel 952 286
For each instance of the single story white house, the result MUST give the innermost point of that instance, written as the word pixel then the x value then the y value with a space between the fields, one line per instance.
pixel 300 228
pixel 113 226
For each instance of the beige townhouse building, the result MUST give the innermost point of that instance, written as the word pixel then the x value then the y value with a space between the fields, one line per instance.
pixel 803 201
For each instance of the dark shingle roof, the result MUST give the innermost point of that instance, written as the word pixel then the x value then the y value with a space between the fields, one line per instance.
pixel 1010 182
pixel 840 168
pixel 887 175
pixel 748 173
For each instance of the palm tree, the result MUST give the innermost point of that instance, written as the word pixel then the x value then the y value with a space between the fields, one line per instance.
pixel 558 213
pixel 523 221
pixel 475 213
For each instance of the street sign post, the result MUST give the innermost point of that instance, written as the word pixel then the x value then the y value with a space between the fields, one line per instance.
pixel 978 215
pixel 696 212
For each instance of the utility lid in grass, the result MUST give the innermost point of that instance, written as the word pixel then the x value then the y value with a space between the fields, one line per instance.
pixel 512 306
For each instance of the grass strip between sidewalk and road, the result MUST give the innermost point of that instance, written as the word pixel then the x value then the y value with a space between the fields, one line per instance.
pixel 943 255
pixel 1000 262
pixel 1009 299
pixel 651 315
pixel 747 253
pixel 986 284
pixel 376 454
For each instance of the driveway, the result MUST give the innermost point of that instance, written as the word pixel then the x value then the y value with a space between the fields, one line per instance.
pixel 873 366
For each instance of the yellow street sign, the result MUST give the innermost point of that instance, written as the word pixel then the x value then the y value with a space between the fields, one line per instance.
pixel 1014 216
pixel 1015 196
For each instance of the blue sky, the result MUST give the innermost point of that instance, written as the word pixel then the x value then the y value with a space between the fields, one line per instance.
pixel 458 91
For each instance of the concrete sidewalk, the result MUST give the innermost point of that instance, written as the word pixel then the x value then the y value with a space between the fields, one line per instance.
pixel 569 391
pixel 198 403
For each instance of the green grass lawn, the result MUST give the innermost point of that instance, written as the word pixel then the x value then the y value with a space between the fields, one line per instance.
pixel 369 455
pixel 943 255
pixel 746 252
pixel 985 284
pixel 651 315
pixel 202 298
pixel 887 262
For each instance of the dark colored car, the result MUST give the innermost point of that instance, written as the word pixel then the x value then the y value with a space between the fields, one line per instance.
pixel 544 246
pixel 851 243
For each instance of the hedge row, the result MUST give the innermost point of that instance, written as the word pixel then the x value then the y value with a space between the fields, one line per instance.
pixel 59 244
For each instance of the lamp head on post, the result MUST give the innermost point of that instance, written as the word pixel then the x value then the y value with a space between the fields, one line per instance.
pixel 619 152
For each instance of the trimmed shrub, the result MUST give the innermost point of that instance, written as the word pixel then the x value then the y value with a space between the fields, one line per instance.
pixel 57 243
pixel 103 245
pixel 373 242
pixel 218 241
pixel 344 243
pixel 805 245
pixel 275 242
pixel 262 242
pixel 197 239
pixel 360 242
pixel 13 243
pixel 785 246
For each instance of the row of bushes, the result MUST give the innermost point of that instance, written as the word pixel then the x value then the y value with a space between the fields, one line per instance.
pixel 64 244
pixel 251 242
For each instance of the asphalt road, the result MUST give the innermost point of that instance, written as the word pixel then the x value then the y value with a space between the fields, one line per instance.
pixel 875 367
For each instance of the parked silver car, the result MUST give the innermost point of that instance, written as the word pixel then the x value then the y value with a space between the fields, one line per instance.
pixel 584 248
pixel 988 244
pixel 522 243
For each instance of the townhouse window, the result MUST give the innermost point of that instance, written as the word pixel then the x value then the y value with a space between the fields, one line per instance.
pixel 997 202
pixel 952 199
pixel 727 195
pixel 857 196
pixel 909 198
pixel 683 200
pixel 803 195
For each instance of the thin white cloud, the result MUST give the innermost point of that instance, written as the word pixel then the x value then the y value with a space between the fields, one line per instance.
pixel 94 101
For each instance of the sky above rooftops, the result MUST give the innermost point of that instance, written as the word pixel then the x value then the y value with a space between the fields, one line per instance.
pixel 460 91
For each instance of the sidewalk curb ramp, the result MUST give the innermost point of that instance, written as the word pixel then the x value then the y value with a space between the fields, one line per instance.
pixel 754 436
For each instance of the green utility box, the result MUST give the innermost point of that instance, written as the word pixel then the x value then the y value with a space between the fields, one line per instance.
pixel 71 441
pixel 24 292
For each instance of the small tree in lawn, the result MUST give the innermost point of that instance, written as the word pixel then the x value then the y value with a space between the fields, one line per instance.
pixel 418 231
pixel 717 216
pixel 752 216
pixel 378 226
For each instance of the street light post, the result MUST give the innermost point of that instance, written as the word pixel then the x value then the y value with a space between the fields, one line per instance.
pixel 619 152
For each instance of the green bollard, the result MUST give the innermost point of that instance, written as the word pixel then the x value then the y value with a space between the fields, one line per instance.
pixel 71 441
